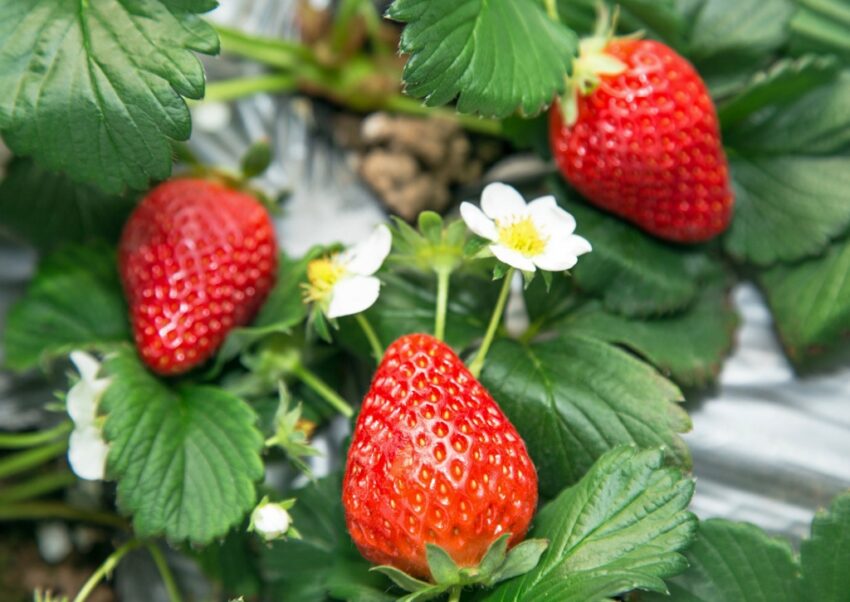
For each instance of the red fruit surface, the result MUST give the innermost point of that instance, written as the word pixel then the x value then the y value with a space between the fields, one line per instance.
pixel 433 460
pixel 646 146
pixel 196 259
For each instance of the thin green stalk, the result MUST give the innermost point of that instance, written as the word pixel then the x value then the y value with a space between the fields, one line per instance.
pixel 21 440
pixel 270 51
pixel 410 106
pixel 104 569
pixel 232 89
pixel 454 593
pixel 22 461
pixel 478 362
pixel 40 485
pixel 322 389
pixel 443 277
pixel 552 10
pixel 165 573
pixel 56 510
pixel 372 336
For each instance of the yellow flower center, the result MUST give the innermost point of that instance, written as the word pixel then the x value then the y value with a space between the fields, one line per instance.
pixel 322 275
pixel 523 236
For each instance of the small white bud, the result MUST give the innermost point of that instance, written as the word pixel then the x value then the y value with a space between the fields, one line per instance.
pixel 270 520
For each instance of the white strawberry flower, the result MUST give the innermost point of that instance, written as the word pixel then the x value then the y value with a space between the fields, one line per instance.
pixel 270 520
pixel 87 448
pixel 537 235
pixel 344 284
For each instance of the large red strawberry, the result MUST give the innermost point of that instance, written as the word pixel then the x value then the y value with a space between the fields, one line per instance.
pixel 643 140
pixel 196 258
pixel 433 460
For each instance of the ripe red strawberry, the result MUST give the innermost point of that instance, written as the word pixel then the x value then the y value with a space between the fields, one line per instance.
pixel 646 143
pixel 433 460
pixel 196 259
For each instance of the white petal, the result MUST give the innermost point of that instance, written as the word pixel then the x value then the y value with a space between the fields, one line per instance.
pixel 353 294
pixel 551 219
pixel 86 364
pixel 87 453
pixel 81 403
pixel 367 257
pixel 512 258
pixel 501 202
pixel 562 254
pixel 270 520
pixel 478 222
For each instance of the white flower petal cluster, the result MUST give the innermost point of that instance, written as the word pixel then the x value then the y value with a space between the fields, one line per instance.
pixel 537 235
pixel 270 520
pixel 344 284
pixel 86 448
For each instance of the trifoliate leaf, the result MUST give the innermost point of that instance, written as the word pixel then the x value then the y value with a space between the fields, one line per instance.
pixel 736 562
pixel 791 175
pixel 573 398
pixel 821 26
pixel 495 56
pixel 688 347
pixel 73 302
pixel 632 272
pixel 48 210
pixel 185 457
pixel 824 556
pixel 622 527
pixel 811 301
pixel 324 562
pixel 94 89
pixel 780 84
pixel 731 38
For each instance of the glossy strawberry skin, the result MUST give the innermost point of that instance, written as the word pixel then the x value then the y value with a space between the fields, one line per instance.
pixel 196 260
pixel 433 460
pixel 647 146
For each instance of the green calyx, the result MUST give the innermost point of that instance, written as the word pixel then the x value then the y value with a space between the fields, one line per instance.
pixel 591 64
pixel 498 565
pixel 292 432
pixel 434 247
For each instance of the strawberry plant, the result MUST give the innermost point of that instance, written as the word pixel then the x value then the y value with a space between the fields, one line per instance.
pixel 484 405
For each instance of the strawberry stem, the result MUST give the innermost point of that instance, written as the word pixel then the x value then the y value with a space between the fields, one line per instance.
pixel 443 277
pixel 371 335
pixel 104 569
pixel 552 10
pixel 23 461
pixel 37 486
pixel 322 389
pixel 478 362
pixel 36 510
pixel 21 440
pixel 165 573
pixel 454 594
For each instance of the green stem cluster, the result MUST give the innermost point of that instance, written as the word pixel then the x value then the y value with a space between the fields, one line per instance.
pixel 362 82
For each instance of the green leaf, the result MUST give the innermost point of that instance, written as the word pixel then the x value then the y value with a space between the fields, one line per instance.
pixel 810 301
pixel 73 302
pixel 783 82
pixel 731 38
pixel 185 457
pixel 407 304
pixel 402 579
pixel 283 309
pixel 48 210
pixel 824 556
pixel 737 562
pixel 573 398
pixel 657 18
pixel 520 560
pixel 821 26
pixel 620 528
pixel 632 272
pixel 442 567
pixel 791 173
pixel 688 347
pixel 324 562
pixel 93 89
pixel 493 55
